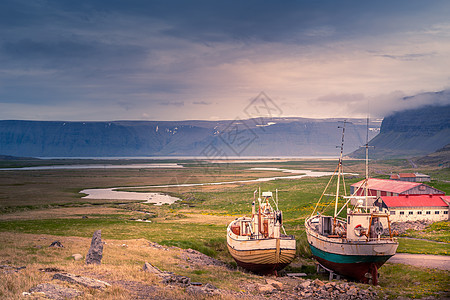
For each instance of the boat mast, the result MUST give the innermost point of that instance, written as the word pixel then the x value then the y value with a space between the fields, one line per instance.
pixel 367 163
pixel 339 169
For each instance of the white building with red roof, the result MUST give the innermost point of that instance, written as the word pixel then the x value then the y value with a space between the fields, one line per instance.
pixel 386 187
pixel 413 177
pixel 415 207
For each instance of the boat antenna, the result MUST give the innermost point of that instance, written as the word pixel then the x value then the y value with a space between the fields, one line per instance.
pixel 366 181
pixel 339 169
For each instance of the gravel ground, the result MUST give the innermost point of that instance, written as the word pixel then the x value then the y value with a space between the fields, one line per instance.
pixel 440 262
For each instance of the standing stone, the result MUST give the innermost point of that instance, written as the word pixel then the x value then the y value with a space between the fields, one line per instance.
pixel 95 253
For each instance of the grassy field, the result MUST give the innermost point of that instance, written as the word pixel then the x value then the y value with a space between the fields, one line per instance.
pixel 39 206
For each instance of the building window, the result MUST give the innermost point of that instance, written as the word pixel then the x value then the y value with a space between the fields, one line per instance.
pixel 422 188
pixel 410 213
pixel 392 212
pixel 419 212
pixel 402 212
pixel 436 212
pixel 446 212
pixel 428 212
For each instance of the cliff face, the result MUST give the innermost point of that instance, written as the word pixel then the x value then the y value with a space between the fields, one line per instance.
pixel 410 133
pixel 214 139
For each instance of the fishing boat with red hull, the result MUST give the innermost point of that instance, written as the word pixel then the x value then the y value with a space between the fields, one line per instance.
pixel 257 243
pixel 355 245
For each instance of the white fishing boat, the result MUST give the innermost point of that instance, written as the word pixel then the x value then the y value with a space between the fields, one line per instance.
pixel 257 242
pixel 353 242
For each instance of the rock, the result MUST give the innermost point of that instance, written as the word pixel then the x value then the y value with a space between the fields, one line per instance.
pixel 10 269
pixel 77 257
pixel 176 279
pixel 54 291
pixel 210 286
pixel 305 284
pixel 84 281
pixel 50 270
pixel 276 284
pixel 148 267
pixel 318 283
pixel 198 258
pixel 352 291
pixel 95 252
pixel 202 291
pixel 265 288
pixel 168 278
pixel 56 244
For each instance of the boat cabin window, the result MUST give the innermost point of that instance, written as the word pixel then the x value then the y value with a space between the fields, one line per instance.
pixel 325 225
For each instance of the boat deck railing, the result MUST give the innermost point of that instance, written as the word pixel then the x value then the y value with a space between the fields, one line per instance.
pixel 261 237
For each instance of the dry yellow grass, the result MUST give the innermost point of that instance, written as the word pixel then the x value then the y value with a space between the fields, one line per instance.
pixel 192 218
pixel 121 266
pixel 62 213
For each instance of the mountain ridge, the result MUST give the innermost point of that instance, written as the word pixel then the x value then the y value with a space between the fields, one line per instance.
pixel 215 139
pixel 411 133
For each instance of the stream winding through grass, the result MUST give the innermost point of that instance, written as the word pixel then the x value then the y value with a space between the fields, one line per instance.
pixel 159 198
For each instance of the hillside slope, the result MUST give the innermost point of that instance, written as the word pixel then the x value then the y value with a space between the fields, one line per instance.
pixel 411 133
pixel 439 158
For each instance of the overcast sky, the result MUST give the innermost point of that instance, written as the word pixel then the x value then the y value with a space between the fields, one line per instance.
pixel 179 60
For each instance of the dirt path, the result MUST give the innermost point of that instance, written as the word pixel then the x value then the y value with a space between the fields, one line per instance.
pixel 441 262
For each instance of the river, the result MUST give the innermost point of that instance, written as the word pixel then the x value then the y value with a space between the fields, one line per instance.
pixel 159 199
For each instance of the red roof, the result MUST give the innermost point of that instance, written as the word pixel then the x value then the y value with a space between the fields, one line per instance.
pixel 446 198
pixel 407 175
pixel 387 185
pixel 414 201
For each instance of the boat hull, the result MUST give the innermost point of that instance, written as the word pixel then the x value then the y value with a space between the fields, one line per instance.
pixel 353 259
pixel 353 266
pixel 262 256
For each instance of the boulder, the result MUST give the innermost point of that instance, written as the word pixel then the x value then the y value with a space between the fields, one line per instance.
pixel 167 277
pixel 148 267
pixel 77 257
pixel 53 291
pixel 95 253
pixel 318 282
pixel 276 284
pixel 265 288
pixel 305 284
pixel 84 281
pixel 56 244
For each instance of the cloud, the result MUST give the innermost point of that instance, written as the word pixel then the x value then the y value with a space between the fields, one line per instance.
pixel 408 56
pixel 201 103
pixel 318 58
pixel 172 103
pixel 378 106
